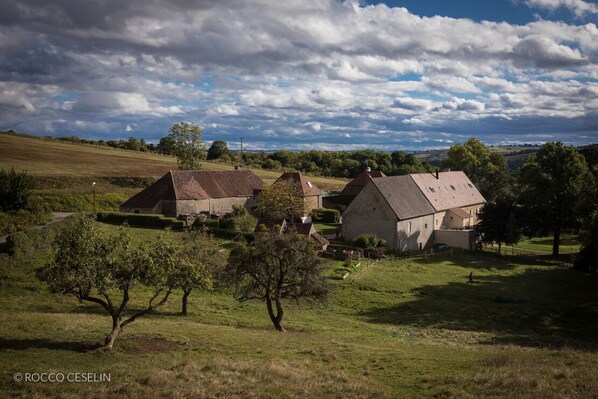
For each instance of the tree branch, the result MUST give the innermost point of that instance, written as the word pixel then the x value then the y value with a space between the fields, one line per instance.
pixel 148 309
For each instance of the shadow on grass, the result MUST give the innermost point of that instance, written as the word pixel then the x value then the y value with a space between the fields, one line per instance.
pixel 20 344
pixel 542 307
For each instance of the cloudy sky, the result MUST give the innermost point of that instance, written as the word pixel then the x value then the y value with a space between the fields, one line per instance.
pixel 303 74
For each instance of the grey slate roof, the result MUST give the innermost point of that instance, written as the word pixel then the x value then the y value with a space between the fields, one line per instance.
pixel 404 196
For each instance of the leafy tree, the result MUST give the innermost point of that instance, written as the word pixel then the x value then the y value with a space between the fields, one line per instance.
pixel 217 150
pixel 97 268
pixel 587 259
pixel 279 266
pixel 166 145
pixel 550 182
pixel 187 146
pixel 282 200
pixel 498 223
pixel 15 190
pixel 488 170
pixel 240 220
pixel 200 261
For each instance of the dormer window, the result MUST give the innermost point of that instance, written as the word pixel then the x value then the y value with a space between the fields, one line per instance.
pixel 309 184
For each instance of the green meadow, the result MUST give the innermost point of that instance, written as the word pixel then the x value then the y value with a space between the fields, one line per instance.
pixel 407 328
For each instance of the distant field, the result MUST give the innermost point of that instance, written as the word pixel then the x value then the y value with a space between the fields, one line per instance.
pixel 403 329
pixel 52 158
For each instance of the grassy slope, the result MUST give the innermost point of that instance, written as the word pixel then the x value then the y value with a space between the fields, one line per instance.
pixel 404 329
pixel 52 158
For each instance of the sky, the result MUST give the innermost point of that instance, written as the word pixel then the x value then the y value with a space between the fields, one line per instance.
pixel 303 74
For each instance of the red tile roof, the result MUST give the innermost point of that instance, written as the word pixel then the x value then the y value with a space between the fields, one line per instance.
pixel 196 185
pixel 355 185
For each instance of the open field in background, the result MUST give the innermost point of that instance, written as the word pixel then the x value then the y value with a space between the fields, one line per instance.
pixel 409 328
pixel 50 158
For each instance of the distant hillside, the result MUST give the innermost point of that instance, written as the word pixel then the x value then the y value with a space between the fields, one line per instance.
pixel 43 157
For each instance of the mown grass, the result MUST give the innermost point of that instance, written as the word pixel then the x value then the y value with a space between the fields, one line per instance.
pixel 409 328
pixel 569 243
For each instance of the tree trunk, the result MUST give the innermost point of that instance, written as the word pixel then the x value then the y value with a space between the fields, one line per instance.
pixel 499 244
pixel 185 298
pixel 276 318
pixel 556 241
pixel 116 330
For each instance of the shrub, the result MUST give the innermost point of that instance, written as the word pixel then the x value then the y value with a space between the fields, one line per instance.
pixel 140 220
pixel 326 215
pixel 11 222
pixel 15 190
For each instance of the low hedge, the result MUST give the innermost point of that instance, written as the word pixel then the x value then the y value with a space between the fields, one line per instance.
pixel 140 220
pixel 326 215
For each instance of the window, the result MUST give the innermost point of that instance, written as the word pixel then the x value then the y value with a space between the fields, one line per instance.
pixel 453 187
pixel 426 226
pixel 431 189
pixel 309 184
pixel 469 184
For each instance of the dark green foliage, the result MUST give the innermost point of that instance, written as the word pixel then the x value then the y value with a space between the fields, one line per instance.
pixel 498 223
pixel 140 220
pixel 15 190
pixel 217 150
pixel 550 185
pixel 587 259
pixel 369 241
pixel 487 170
pixel 326 215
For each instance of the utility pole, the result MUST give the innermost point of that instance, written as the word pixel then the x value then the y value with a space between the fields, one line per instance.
pixel 93 187
pixel 242 150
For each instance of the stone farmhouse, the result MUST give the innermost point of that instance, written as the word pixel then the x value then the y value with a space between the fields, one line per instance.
pixel 197 192
pixel 312 196
pixel 413 212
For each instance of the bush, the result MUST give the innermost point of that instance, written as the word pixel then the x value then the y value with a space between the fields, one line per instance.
pixel 11 222
pixel 368 241
pixel 15 190
pixel 140 220
pixel 326 215
pixel 79 202
pixel 229 234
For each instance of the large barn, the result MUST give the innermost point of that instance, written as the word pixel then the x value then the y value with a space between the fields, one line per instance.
pixel 412 212
pixel 193 192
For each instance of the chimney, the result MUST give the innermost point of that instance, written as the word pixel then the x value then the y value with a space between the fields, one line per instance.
pixel 437 174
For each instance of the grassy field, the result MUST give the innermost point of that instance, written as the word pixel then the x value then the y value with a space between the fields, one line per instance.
pixel 569 244
pixel 409 329
pixel 51 158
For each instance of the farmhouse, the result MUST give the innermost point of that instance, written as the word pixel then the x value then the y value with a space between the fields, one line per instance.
pixel 193 192
pixel 412 212
pixel 312 196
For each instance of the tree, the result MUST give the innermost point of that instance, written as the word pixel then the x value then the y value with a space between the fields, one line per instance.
pixel 97 268
pixel 218 149
pixel 200 261
pixel 279 266
pixel 187 146
pixel 15 190
pixel 166 145
pixel 550 182
pixel 498 223
pixel 282 200
pixel 487 170
pixel 587 259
